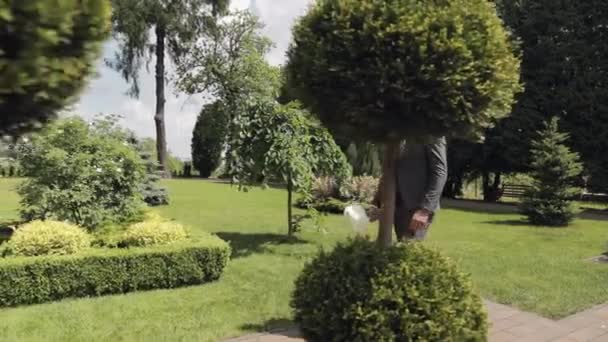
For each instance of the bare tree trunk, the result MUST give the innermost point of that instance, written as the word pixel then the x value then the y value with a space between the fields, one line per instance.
pixel 388 194
pixel 289 209
pixel 159 116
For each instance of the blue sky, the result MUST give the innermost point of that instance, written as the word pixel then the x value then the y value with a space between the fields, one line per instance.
pixel 106 92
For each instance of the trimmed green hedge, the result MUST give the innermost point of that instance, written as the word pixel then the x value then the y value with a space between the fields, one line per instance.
pixel 330 206
pixel 99 272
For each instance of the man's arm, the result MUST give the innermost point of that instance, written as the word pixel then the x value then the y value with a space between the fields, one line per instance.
pixel 438 174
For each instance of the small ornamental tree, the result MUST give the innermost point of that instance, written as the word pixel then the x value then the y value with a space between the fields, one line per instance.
pixel 281 143
pixel 47 51
pixel 555 169
pixel 209 138
pixel 385 71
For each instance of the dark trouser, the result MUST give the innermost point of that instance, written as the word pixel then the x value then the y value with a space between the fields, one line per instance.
pixel 403 217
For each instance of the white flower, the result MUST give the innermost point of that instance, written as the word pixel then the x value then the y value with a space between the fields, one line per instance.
pixel 98 170
pixel 118 169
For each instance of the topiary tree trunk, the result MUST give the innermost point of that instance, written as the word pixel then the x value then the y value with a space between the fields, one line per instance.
pixel 388 190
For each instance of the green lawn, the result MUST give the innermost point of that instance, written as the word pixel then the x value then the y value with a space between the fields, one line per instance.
pixel 537 269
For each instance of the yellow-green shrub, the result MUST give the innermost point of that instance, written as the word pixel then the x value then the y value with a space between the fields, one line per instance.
pixel 48 238
pixel 153 231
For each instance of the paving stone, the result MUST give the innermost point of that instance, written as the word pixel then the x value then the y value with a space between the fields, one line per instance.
pixel 507 324
pixel 565 339
pixel 587 334
pixel 523 330
pixel 503 324
pixel 502 314
pixel 502 336
pixel 581 320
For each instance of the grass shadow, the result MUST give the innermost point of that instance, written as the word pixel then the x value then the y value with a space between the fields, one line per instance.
pixel 512 223
pixel 7 228
pixel 276 326
pixel 246 244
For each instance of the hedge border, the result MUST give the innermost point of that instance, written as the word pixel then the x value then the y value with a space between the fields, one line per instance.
pixel 98 272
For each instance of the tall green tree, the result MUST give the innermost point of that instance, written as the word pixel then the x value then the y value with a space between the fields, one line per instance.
pixel 555 169
pixel 281 143
pixel 386 71
pixel 228 62
pixel 565 68
pixel 47 51
pixel 176 24
pixel 209 138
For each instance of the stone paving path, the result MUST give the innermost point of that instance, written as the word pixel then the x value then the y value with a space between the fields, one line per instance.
pixel 507 325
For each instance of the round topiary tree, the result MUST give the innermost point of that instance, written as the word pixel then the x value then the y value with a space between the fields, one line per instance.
pixel 384 71
pixel 363 292
pixel 47 50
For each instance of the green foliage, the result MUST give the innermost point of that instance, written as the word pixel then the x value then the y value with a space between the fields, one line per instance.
pixel 384 71
pixel 48 48
pixel 176 25
pixel 273 142
pixel 565 65
pixel 153 232
pixel 326 206
pixel 147 146
pixel 48 238
pixel 110 271
pixel 209 138
pixel 153 193
pixel 228 63
pixel 555 171
pixel 85 174
pixel 362 292
pixel 133 21
pixel 364 158
pixel 281 143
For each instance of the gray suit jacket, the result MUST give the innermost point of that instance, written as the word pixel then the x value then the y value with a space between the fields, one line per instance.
pixel 422 170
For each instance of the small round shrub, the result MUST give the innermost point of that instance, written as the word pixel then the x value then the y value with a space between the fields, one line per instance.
pixel 48 238
pixel 151 232
pixel 362 292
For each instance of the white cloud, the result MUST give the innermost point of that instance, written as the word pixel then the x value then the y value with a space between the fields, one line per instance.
pixel 106 93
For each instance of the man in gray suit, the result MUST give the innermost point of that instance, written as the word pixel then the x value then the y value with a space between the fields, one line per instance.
pixel 422 171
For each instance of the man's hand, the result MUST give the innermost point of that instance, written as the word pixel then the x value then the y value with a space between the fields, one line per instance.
pixel 420 220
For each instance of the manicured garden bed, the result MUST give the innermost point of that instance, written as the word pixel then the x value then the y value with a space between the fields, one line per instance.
pixel 544 270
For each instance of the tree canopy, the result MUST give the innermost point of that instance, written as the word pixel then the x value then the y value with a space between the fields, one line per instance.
pixel 564 69
pixel 209 138
pixel 281 143
pixel 47 51
pixel 555 169
pixel 383 71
